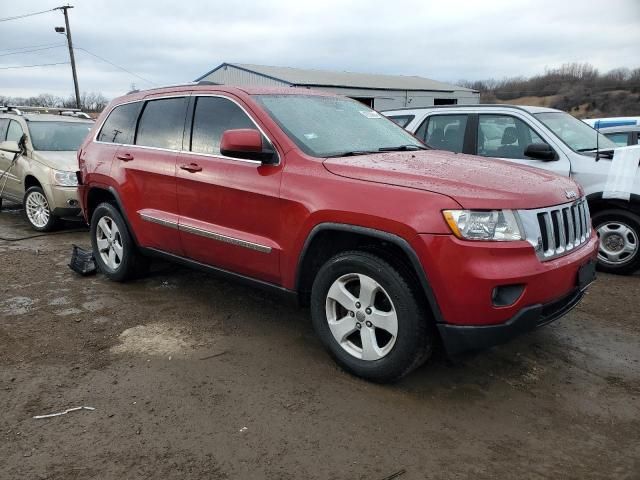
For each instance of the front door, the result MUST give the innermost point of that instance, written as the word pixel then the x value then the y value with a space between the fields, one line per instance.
pixel 506 137
pixel 229 208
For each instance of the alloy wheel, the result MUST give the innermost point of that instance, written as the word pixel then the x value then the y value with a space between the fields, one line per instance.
pixel 361 316
pixel 109 242
pixel 37 209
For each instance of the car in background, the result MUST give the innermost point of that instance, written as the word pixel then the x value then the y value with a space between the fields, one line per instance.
pixel 599 123
pixel 545 138
pixel 622 136
pixel 38 162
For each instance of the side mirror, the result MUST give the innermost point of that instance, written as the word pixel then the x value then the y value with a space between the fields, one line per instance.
pixel 540 151
pixel 246 143
pixel 10 146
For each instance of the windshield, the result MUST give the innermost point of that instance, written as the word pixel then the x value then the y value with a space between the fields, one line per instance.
pixel 331 126
pixel 576 134
pixel 58 136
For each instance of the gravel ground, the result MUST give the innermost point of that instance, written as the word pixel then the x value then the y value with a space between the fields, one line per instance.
pixel 193 377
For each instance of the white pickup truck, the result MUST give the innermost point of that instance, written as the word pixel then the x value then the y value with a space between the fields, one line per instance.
pixel 553 140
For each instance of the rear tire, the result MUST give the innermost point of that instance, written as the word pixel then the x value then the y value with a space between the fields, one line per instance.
pixel 37 210
pixel 619 235
pixel 114 250
pixel 369 318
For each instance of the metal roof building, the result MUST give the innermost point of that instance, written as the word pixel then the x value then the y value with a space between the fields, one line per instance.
pixel 381 92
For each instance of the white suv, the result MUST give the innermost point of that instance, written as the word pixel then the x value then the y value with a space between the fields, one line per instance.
pixel 544 138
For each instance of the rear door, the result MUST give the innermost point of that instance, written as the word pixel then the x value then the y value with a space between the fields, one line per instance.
pixel 229 208
pixel 445 131
pixel 145 172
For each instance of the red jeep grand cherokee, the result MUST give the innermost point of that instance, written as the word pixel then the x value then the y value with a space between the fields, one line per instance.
pixel 392 245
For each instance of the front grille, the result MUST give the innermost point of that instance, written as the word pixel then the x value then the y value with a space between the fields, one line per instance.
pixel 555 231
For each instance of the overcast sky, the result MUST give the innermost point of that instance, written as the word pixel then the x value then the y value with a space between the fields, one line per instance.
pixel 174 41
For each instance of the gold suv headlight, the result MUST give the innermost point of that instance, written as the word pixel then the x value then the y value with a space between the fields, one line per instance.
pixel 65 179
pixel 489 225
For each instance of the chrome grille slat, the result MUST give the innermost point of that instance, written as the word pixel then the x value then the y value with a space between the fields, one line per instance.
pixel 555 231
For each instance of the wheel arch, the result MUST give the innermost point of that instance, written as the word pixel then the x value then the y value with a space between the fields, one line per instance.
pixel 31 181
pixel 317 249
pixel 597 203
pixel 97 195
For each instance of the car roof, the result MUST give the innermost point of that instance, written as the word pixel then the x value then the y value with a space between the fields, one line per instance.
pixel 481 106
pixel 621 129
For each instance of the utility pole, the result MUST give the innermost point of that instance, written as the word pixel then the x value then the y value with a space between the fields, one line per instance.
pixel 67 32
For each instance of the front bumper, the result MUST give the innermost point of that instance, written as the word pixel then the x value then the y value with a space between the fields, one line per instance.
pixel 63 201
pixel 464 276
pixel 458 339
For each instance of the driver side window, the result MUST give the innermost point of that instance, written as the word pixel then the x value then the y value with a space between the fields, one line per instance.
pixel 15 131
pixel 504 136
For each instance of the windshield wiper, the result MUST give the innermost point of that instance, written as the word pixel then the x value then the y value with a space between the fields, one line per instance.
pixel 605 152
pixel 402 148
pixel 351 153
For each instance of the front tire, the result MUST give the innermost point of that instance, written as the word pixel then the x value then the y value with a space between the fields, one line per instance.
pixel 619 235
pixel 114 251
pixel 37 210
pixel 369 317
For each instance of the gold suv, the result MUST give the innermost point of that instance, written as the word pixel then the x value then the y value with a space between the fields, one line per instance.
pixel 38 162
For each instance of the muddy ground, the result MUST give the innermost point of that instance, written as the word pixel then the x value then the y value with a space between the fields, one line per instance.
pixel 193 377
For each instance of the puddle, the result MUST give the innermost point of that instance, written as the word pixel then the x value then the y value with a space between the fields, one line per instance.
pixel 16 305
pixel 153 339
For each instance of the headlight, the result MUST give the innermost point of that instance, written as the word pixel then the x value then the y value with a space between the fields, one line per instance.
pixel 495 225
pixel 65 179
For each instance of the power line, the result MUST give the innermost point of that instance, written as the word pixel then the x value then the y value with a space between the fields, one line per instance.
pixel 25 48
pixel 113 64
pixel 31 66
pixel 32 50
pixel 17 17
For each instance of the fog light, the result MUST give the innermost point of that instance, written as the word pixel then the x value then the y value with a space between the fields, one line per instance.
pixel 506 295
pixel 72 203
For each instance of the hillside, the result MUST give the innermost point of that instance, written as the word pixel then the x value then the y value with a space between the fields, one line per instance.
pixel 576 88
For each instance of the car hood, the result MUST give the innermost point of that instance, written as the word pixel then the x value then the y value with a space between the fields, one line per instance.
pixel 474 182
pixel 67 160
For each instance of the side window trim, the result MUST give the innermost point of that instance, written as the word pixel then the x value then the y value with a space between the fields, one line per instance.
pixel 188 128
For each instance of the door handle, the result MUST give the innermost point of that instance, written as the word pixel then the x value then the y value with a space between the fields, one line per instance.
pixel 125 157
pixel 191 167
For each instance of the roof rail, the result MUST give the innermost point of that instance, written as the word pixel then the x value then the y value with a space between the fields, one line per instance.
pixel 22 109
pixel 185 84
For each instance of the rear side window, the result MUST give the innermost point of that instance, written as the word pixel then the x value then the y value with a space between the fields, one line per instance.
pixel 402 120
pixel 121 124
pixel 162 123
pixel 14 133
pixel 212 116
pixel 444 132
